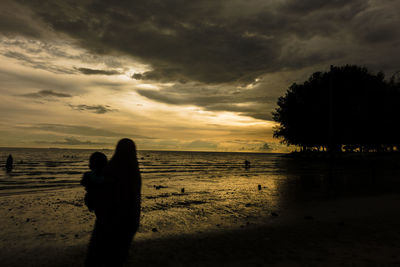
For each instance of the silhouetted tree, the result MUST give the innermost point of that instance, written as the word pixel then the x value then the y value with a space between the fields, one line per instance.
pixel 346 107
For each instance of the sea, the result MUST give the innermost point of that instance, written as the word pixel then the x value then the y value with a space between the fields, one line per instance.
pixel 197 190
pixel 38 169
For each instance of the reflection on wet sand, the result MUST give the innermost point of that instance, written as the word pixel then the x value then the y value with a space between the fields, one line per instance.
pixel 318 179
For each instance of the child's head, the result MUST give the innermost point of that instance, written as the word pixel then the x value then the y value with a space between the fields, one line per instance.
pixel 97 161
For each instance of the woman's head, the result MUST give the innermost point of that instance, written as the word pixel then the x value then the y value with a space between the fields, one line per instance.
pixel 125 150
pixel 124 163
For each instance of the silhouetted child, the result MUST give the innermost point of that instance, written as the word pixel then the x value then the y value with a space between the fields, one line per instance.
pixel 93 181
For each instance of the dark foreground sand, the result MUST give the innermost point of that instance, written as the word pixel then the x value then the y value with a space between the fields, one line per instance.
pixel 363 231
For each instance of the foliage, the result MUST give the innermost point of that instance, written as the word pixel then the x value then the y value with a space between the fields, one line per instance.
pixel 344 108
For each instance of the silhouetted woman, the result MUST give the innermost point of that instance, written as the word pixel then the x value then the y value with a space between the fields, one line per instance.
pixel 123 202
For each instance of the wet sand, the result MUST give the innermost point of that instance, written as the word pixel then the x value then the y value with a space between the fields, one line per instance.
pixel 53 229
pixel 304 213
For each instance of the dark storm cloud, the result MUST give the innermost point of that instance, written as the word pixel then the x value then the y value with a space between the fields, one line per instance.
pixel 9 25
pixel 209 41
pixel 97 72
pixel 379 25
pixel 17 19
pixel 45 94
pixel 228 43
pixel 99 109
pixel 216 41
pixel 309 6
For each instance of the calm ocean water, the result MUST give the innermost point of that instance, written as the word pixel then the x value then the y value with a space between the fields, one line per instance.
pixel 43 169
pixel 218 190
pixel 207 177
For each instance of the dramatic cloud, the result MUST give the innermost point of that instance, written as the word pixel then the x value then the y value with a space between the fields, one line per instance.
pixel 99 109
pixel 212 42
pixel 45 94
pixel 227 43
pixel 97 72
pixel 17 19
pixel 37 63
pixel 254 102
pixel 176 69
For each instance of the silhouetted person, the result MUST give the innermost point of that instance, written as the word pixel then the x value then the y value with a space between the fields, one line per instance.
pixel 122 214
pixel 94 181
pixel 95 186
pixel 246 164
pixel 9 163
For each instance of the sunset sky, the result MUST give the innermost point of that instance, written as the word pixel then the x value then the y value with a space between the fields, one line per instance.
pixel 174 74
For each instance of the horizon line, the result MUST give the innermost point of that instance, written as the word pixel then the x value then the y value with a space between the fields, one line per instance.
pixel 154 150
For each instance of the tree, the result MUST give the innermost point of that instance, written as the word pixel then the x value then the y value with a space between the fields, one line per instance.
pixel 344 107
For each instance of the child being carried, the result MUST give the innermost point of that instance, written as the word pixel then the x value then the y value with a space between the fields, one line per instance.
pixel 93 180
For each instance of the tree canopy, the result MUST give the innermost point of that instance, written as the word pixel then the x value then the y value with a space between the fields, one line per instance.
pixel 345 108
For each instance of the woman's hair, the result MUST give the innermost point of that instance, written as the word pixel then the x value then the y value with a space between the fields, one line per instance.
pixel 124 161
pixel 125 149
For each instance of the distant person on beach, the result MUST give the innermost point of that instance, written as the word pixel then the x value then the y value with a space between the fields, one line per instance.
pixel 9 163
pixel 94 181
pixel 246 164
pixel 113 232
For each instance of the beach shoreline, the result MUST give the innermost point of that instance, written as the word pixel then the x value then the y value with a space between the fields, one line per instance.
pixel 352 231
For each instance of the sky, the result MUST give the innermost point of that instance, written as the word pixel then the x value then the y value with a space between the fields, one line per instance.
pixel 174 75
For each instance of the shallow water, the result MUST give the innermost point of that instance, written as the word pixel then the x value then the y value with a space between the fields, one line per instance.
pixel 181 190
pixel 38 169
pixel 218 191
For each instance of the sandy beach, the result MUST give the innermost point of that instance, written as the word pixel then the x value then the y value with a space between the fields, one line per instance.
pixel 280 212
pixel 53 228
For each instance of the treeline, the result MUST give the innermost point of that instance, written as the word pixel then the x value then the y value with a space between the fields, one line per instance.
pixel 345 109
